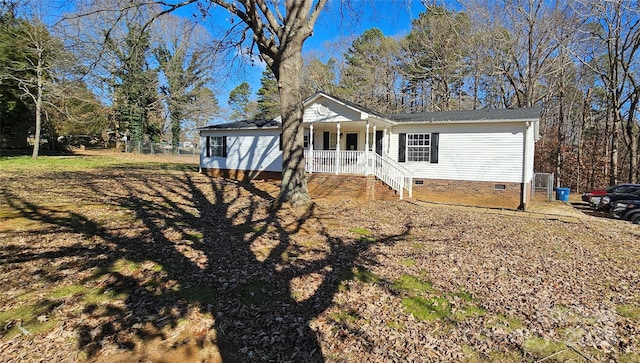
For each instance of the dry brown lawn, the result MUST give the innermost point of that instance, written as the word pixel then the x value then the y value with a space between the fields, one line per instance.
pixel 146 261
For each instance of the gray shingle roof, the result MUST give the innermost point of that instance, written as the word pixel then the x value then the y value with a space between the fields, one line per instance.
pixel 469 115
pixel 244 124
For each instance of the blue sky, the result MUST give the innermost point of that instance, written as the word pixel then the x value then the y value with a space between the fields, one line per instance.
pixel 339 24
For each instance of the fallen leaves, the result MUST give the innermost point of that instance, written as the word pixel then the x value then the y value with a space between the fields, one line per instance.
pixel 121 263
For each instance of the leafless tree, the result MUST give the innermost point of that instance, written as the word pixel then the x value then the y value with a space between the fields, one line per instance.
pixel 278 31
pixel 612 36
pixel 38 74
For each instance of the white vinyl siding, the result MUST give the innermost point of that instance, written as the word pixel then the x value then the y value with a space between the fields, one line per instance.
pixel 328 111
pixel 246 150
pixel 489 152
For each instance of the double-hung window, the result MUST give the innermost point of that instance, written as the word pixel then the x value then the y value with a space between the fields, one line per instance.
pixel 418 147
pixel 216 146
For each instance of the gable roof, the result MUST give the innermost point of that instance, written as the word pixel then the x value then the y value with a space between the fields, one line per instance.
pixel 245 125
pixel 349 104
pixel 482 115
pixel 463 116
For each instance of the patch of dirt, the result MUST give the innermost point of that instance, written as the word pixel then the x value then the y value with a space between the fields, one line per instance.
pixel 151 264
pixel 555 208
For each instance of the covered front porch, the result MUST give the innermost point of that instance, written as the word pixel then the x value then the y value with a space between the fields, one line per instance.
pixel 343 147
pixel 357 149
pixel 342 139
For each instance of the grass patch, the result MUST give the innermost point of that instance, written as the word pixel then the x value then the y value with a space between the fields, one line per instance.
pixel 408 262
pixel 360 231
pixel 408 283
pixel 58 163
pixel 468 311
pixel 507 323
pixel 629 358
pixel 196 237
pixel 66 291
pixel 344 316
pixel 359 274
pixel 28 316
pixel 363 275
pixel 629 311
pixel 466 296
pixel 97 296
pixel 395 325
pixel 365 234
pixel 247 228
pixel 417 247
pixel 427 303
pixel 124 266
pixel 550 350
pixel 427 309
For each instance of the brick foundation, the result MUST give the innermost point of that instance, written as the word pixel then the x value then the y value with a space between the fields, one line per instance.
pixel 472 193
pixel 243 175
pixel 458 192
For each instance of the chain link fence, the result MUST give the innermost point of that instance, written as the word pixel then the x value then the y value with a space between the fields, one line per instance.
pixel 150 148
pixel 542 187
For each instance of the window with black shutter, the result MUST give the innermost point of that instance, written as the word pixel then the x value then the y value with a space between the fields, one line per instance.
pixel 418 147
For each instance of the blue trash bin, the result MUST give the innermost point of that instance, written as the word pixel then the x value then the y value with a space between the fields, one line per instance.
pixel 562 194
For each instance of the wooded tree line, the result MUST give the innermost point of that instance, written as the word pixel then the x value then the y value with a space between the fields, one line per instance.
pixel 577 60
pixel 127 72
pixel 106 73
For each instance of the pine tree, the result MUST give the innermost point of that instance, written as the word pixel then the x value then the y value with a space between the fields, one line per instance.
pixel 268 97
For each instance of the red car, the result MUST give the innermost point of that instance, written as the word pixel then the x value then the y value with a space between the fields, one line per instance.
pixel 598 193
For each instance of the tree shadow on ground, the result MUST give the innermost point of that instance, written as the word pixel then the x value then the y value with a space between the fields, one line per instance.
pixel 176 249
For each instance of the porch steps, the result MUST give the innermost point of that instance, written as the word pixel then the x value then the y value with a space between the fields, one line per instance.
pixel 382 191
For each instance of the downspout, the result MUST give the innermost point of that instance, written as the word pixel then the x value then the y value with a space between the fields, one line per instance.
pixel 523 185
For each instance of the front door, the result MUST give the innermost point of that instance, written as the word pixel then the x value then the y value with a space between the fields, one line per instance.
pixel 352 141
pixel 379 136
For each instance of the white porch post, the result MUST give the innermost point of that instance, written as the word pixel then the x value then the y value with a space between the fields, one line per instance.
pixel 384 142
pixel 373 146
pixel 366 150
pixel 310 161
pixel 337 147
pixel 373 142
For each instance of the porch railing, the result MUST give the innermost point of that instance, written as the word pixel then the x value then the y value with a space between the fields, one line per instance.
pixel 336 162
pixel 393 174
pixel 355 162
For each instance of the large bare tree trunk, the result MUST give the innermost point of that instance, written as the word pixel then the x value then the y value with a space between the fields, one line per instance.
pixel 294 184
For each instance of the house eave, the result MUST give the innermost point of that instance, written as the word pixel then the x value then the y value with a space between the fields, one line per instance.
pixel 486 121
pixel 239 128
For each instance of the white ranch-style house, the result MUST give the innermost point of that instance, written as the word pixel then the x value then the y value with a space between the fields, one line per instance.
pixel 480 157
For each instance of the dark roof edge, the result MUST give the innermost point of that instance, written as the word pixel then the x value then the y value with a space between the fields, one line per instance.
pixel 244 125
pixel 502 114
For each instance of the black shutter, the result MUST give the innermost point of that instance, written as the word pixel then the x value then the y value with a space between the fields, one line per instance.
pixel 280 142
pixel 224 146
pixel 207 146
pixel 402 147
pixel 435 138
pixel 325 140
